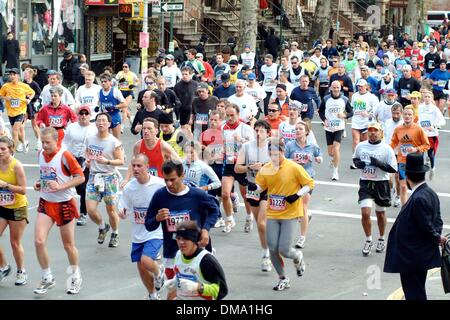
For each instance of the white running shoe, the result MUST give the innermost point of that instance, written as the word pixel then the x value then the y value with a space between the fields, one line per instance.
pixel 158 280
pixel 227 227
pixel 27 146
pixel 73 283
pixel 220 223
pixel 380 246
pixel 397 202
pixel 21 278
pixel 38 145
pixel 45 284
pixel 153 296
pixel 20 147
pixel 367 248
pixel 266 264
pixel 248 224
pixel 299 264
pixel 301 242
pixel 282 284
pixel 335 176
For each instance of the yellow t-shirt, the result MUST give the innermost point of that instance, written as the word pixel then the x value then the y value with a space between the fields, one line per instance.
pixel 18 94
pixel 285 181
pixel 310 66
pixel 130 78
pixel 9 199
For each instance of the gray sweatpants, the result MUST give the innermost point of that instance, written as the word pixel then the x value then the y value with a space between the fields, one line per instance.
pixel 280 236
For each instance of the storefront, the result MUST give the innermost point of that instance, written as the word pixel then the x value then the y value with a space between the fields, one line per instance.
pixel 113 40
pixel 32 23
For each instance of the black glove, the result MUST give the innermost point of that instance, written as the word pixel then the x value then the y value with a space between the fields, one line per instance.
pixel 97 109
pixel 252 187
pixel 131 86
pixel 358 163
pixel 292 198
pixel 382 165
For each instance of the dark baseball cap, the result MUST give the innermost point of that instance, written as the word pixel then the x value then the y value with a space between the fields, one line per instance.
pixel 233 63
pixel 225 77
pixel 202 85
pixel 14 70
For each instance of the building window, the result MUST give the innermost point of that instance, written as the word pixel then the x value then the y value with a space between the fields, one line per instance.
pixel 23 23
pixel 42 22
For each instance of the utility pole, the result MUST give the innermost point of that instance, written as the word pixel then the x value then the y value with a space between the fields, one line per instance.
pixel 144 51
pixel 54 42
pixel 171 48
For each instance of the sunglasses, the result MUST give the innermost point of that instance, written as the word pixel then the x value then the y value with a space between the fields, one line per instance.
pixel 124 66
pixel 84 113
pixel 273 110
pixel 149 83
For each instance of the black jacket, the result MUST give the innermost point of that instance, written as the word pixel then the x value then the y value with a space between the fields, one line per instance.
pixel 11 51
pixel 67 67
pixel 413 243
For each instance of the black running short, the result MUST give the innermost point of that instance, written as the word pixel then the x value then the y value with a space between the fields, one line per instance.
pixel 379 191
pixel 333 136
pixel 228 171
pixel 438 95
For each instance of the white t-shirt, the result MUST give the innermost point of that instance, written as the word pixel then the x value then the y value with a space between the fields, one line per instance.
pixel 135 200
pixel 66 99
pixel 97 147
pixel 363 103
pixel 247 106
pixel 382 112
pixel 389 127
pixel 257 92
pixel 430 117
pixel 287 131
pixel 296 53
pixel 248 59
pixel 172 75
pixel 383 152
pixel 75 138
pixel 253 154
pixel 88 97
pixel 270 75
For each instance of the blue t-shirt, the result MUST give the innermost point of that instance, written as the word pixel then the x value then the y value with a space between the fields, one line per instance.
pixel 196 205
pixel 303 156
pixel 222 92
pixel 441 77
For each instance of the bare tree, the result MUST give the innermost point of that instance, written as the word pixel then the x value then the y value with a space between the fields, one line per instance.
pixel 248 25
pixel 321 22
pixel 412 18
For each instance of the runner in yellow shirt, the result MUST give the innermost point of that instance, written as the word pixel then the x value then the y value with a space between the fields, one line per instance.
pixel 17 96
pixel 286 182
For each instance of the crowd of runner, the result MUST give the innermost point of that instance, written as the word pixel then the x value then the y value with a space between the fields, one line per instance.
pixel 209 134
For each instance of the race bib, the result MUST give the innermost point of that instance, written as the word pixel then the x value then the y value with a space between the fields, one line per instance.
pixel 139 214
pixel 333 124
pixel 230 151
pixel 276 202
pixel 404 149
pixel 7 198
pixel 94 152
pixel 404 93
pixel 253 194
pixel 441 83
pixel 153 172
pixel 56 121
pixel 369 172
pixel 15 103
pixel 175 219
pixel 430 64
pixel 201 119
pixel 425 124
pixel 302 157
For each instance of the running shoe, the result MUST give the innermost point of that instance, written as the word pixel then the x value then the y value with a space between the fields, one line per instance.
pixel 299 264
pixel 300 243
pixel 335 175
pixel 158 280
pixel 82 220
pixel 38 145
pixel 102 234
pixel 227 228
pixel 352 166
pixel 73 284
pixel 235 202
pixel 20 147
pixel 397 202
pixel 44 285
pixel 266 264
pixel 220 223
pixel 21 278
pixel 114 241
pixel 380 246
pixel 153 296
pixel 248 224
pixel 5 272
pixel 282 284
pixel 26 146
pixel 367 247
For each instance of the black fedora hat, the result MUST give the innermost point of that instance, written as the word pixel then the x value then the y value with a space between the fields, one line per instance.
pixel 415 163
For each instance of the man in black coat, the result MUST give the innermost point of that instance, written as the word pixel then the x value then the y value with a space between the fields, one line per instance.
pixel 11 51
pixel 413 243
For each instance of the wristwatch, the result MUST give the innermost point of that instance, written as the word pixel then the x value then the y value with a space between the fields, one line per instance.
pixel 201 288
